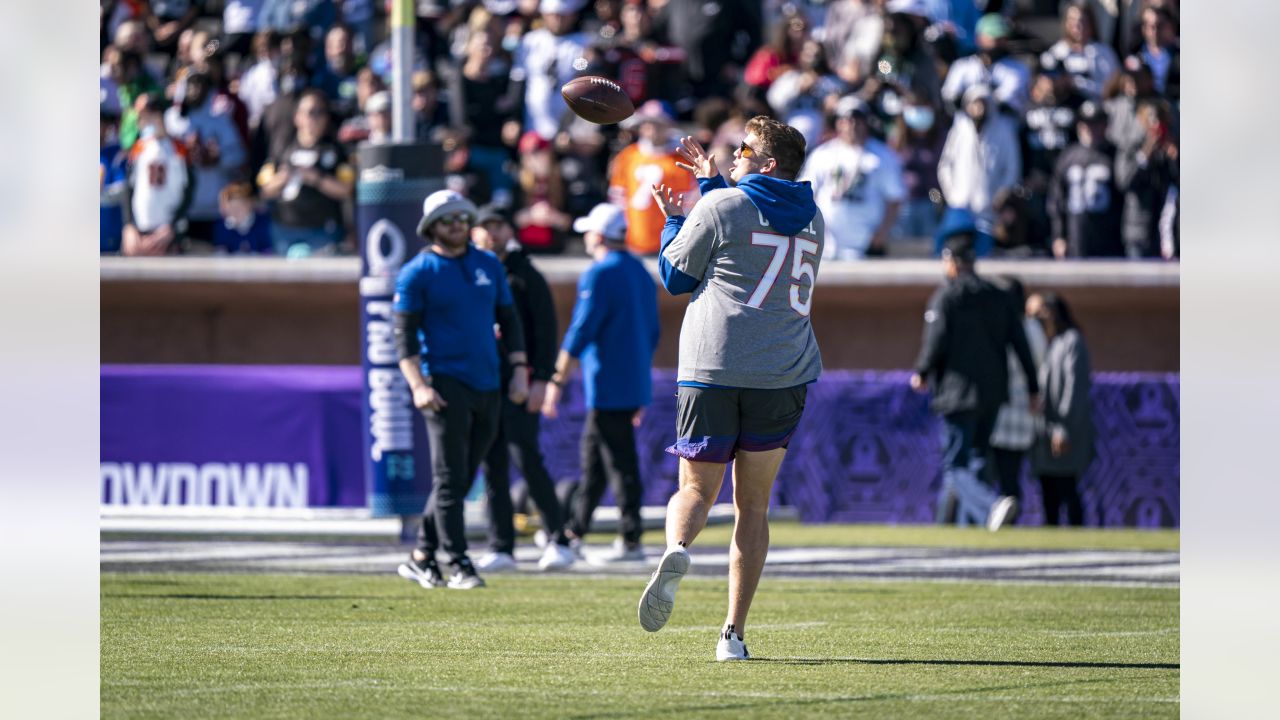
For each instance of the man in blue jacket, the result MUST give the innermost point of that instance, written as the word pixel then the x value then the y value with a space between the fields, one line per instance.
pixel 614 333
pixel 448 299
pixel 750 256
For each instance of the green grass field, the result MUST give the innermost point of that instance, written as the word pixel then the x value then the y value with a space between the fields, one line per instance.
pixel 270 646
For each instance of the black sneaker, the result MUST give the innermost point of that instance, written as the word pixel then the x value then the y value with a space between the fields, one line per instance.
pixel 424 572
pixel 465 576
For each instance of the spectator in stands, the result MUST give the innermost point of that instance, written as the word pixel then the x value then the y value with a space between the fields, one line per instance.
pixel 540 224
pixel 545 62
pixel 518 435
pixel 159 189
pixel 258 84
pixel 852 37
pixel 356 128
pixel 337 76
pixel 1130 87
pixel 1088 63
pixel 581 148
pixel 906 62
pixel 277 127
pixel 461 176
pixel 204 124
pixel 717 39
pixel 1048 128
pixel 308 180
pixel 430 107
pixel 969 328
pixel 918 140
pixel 992 66
pixel 780 54
pixel 378 114
pixel 980 158
pixel 1014 430
pixel 1020 228
pixel 483 97
pixel 359 16
pixel 614 332
pixel 132 36
pixel 1159 52
pixel 1084 205
pixel 132 85
pixel 650 160
pixel 800 95
pixel 312 17
pixel 857 184
pixel 244 226
pixel 1064 446
pixel 239 25
pixel 166 19
pixel 112 179
pixel 1145 175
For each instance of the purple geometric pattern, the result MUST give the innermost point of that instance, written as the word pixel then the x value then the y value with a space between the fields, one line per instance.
pixel 868 450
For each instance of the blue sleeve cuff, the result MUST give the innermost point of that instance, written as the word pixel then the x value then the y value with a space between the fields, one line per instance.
pixel 676 282
pixel 706 185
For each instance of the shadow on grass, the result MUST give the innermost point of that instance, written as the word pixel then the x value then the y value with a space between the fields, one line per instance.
pixel 975 663
pixel 759 704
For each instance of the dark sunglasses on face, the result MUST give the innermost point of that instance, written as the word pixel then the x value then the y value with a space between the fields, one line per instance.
pixel 454 220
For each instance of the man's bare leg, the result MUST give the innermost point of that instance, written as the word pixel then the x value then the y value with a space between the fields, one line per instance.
pixel 753 476
pixel 688 509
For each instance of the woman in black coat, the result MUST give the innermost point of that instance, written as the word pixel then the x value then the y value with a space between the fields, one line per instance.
pixel 1064 443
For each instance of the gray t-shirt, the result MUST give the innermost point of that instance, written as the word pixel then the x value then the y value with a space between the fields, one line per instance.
pixel 747 324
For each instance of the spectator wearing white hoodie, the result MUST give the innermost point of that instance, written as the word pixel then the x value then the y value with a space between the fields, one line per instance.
pixel 981 156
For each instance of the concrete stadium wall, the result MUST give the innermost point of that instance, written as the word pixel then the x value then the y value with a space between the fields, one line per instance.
pixel 867 316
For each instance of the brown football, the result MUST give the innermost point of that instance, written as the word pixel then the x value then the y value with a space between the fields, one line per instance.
pixel 597 99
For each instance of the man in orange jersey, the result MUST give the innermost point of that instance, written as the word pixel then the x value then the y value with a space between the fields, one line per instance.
pixel 649 161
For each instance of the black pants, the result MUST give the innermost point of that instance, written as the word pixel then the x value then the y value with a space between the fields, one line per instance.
pixel 518 440
pixel 1058 490
pixel 460 436
pixel 1008 465
pixel 609 455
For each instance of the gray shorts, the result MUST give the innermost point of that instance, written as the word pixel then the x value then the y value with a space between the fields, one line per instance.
pixel 712 424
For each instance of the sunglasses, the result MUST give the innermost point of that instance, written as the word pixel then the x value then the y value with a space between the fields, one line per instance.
pixel 746 151
pixel 455 219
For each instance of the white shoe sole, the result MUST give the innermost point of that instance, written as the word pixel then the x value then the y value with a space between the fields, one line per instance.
pixel 408 573
pixel 659 596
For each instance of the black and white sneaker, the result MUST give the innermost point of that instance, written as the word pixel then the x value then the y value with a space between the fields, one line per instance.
pixel 465 577
pixel 731 647
pixel 426 572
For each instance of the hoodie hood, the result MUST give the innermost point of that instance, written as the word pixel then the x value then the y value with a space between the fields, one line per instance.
pixel 786 204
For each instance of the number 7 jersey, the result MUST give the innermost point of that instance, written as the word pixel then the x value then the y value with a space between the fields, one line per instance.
pixel 747 324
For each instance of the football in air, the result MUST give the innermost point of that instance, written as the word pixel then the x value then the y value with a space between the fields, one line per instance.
pixel 597 99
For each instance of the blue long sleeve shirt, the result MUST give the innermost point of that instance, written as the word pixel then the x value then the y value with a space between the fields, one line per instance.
pixel 614 332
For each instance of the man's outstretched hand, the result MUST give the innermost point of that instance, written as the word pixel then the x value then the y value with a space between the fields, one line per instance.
pixel 668 201
pixel 696 159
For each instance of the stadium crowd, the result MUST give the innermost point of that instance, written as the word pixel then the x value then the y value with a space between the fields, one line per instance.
pixel 231 126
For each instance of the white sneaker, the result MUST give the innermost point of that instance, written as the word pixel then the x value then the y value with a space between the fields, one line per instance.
pixel 660 594
pixel 556 557
pixel 496 562
pixel 731 647
pixel 541 539
pixel 1005 509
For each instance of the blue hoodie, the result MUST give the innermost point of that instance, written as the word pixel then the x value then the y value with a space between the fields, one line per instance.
pixel 786 204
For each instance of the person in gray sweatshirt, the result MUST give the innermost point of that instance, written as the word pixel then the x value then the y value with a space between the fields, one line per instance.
pixel 749 255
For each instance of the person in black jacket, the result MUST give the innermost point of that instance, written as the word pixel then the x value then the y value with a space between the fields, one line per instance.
pixel 518 432
pixel 963 360
pixel 1084 201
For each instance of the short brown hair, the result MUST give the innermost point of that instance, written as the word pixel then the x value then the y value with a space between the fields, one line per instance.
pixel 781 142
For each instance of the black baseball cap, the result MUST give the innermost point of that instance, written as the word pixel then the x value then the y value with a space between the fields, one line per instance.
pixel 491 212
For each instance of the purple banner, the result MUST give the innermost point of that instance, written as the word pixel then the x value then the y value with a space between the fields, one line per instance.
pixel 866 451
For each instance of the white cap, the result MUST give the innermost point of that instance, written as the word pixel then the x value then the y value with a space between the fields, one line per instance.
pixel 979 91
pixel 607 219
pixel 441 203
pixel 561 7
pixel 908 7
